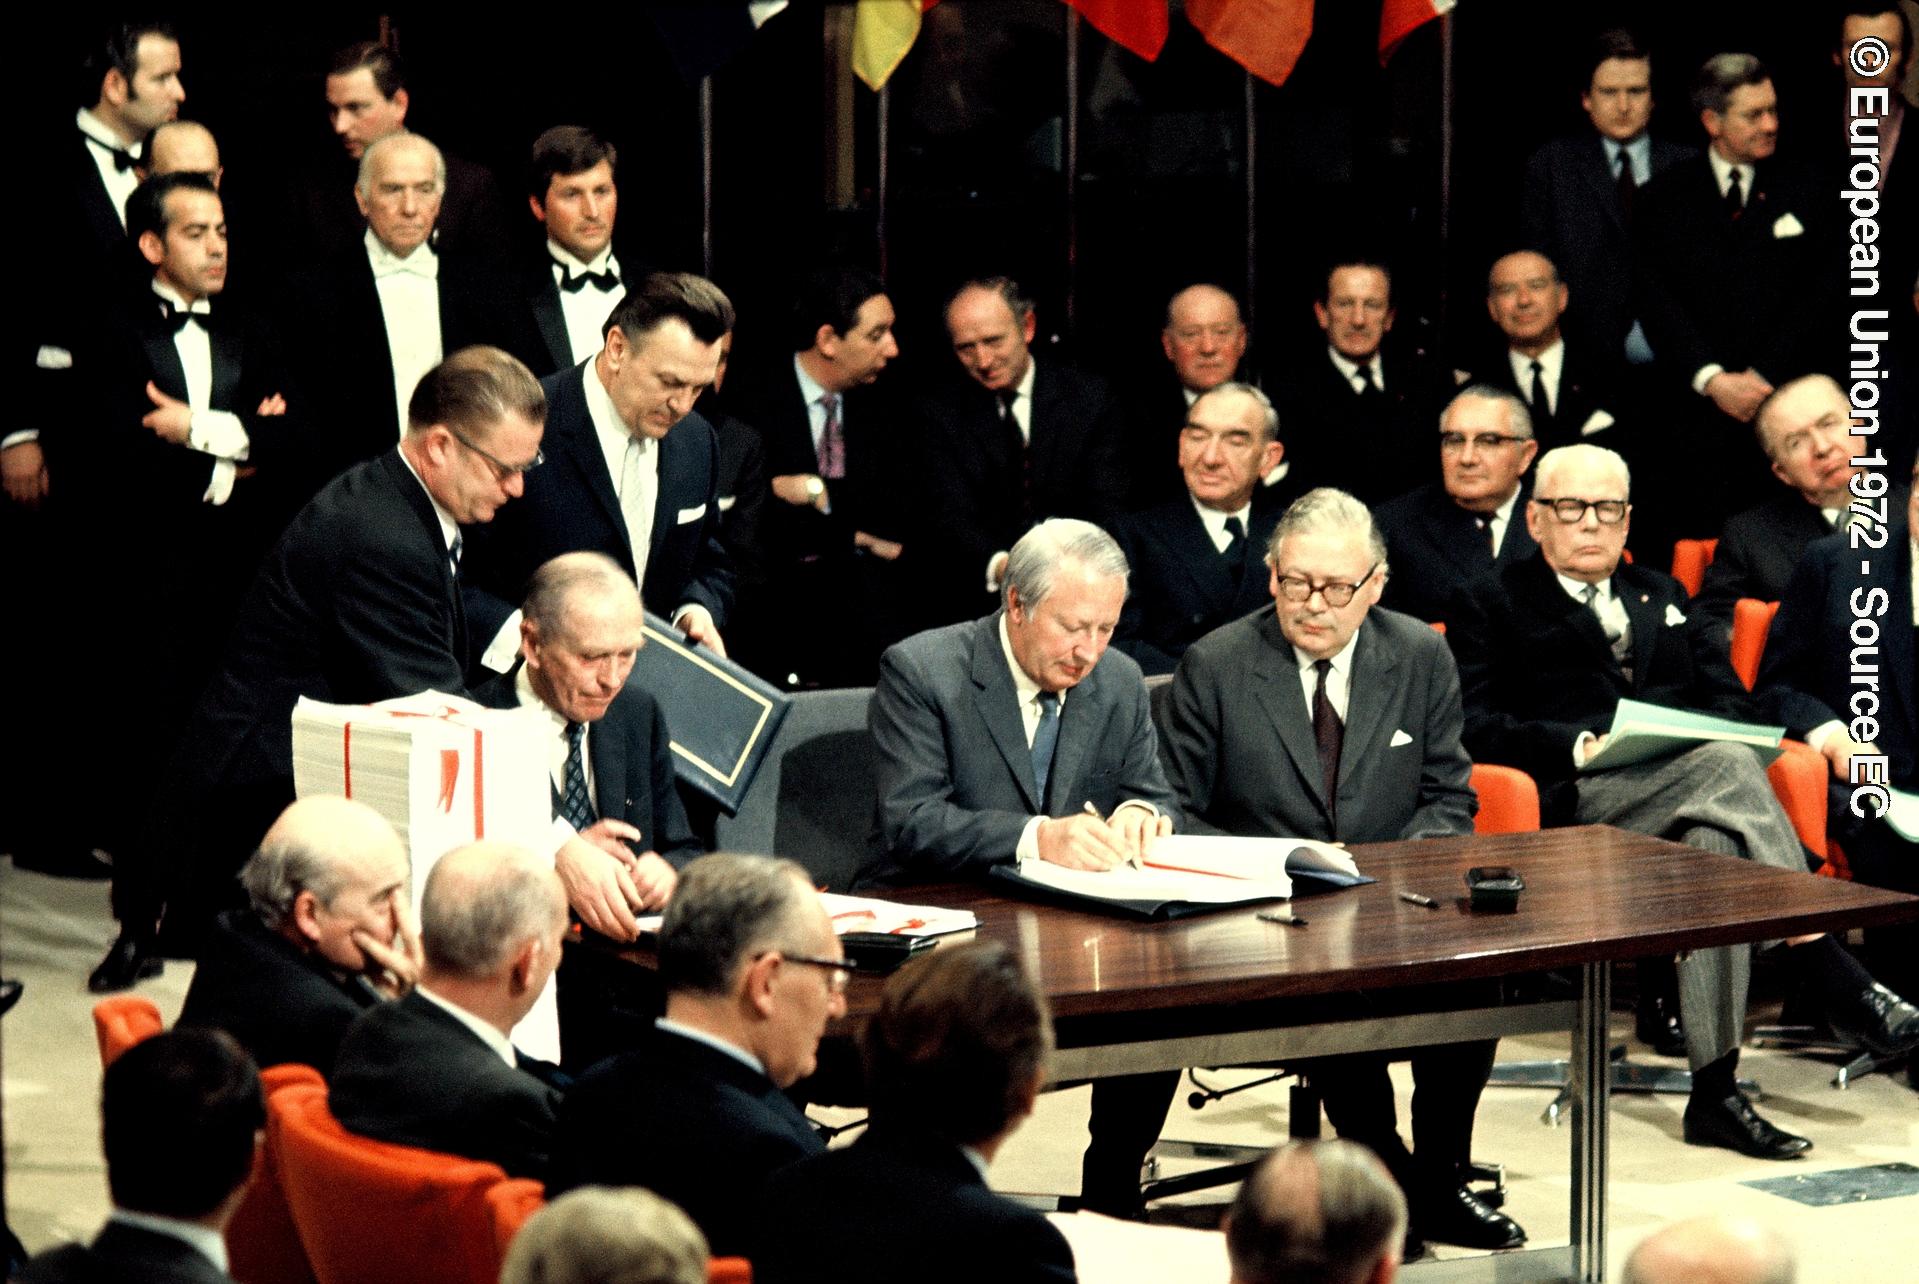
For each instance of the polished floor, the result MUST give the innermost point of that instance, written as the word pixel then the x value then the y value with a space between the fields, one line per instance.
pixel 52 931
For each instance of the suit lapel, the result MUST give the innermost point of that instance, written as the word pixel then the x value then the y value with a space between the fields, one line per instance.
pixel 1276 687
pixel 1647 617
pixel 999 710
pixel 163 359
pixel 1552 603
pixel 1372 689
pixel 1079 728
pixel 1197 556
pixel 1046 425
pixel 608 751
pixel 551 320
pixel 1602 180
pixel 579 443
pixel 228 354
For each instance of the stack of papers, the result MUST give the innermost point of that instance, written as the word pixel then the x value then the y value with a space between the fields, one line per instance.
pixel 442 770
pixel 865 914
pixel 1200 870
pixel 1644 732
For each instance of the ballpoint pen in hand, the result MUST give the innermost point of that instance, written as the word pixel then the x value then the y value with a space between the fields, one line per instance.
pixel 1133 861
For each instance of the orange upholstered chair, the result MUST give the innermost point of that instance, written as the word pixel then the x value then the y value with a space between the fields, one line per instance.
pixel 1508 800
pixel 372 1210
pixel 1751 622
pixel 263 1247
pixel 1690 558
pixel 122 1021
pixel 729 1270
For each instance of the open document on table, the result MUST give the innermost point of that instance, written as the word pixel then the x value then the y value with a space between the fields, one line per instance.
pixel 1192 873
pixel 1644 732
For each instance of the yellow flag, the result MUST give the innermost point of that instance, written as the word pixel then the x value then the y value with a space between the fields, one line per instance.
pixel 883 30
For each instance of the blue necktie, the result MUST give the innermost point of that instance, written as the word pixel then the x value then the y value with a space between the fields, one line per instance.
pixel 575 807
pixel 1045 739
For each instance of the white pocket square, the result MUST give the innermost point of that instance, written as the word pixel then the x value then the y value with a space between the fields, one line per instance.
pixel 1597 421
pixel 1786 225
pixel 692 514
pixel 1673 615
pixel 727 502
pixel 1400 738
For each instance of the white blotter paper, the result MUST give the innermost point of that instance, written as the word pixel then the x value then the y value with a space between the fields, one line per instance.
pixel 1203 869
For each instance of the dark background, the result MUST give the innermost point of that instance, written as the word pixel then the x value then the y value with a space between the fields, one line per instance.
pixel 1348 153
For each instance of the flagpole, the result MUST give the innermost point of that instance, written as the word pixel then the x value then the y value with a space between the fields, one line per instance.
pixel 1445 161
pixel 706 174
pixel 1252 204
pixel 1069 166
pixel 883 129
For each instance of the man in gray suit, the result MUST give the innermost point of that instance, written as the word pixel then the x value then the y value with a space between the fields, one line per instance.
pixel 1011 736
pixel 1333 719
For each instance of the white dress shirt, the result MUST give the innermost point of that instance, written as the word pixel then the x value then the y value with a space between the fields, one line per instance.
pixel 1638 153
pixel 1612 615
pixel 812 391
pixel 1022 405
pixel 557 746
pixel 409 290
pixel 633 462
pixel 209 1243
pixel 587 308
pixel 1551 363
pixel 1215 521
pixel 712 1041
pixel 103 145
pixel 1339 679
pixel 489 1034
pixel 1722 172
pixel 1501 520
pixel 218 433
pixel 1349 369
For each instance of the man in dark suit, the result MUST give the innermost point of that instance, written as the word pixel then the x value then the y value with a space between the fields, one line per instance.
pixel 1582 190
pixel 375 314
pixel 1195 560
pixel 834 526
pixel 367 100
pixel 1805 428
pixel 752 971
pixel 1573 390
pixel 1354 419
pixel 1316 1210
pixel 742 483
pixel 189 430
pixel 1450 532
pixel 437 1069
pixel 633 473
pixel 359 601
pixel 1731 284
pixel 329 933
pixel 1329 719
pixel 1204 340
pixel 1808 682
pixel 1021 441
pixel 1547 649
pixel 180 1120
pixel 611 769
pixel 955 1058
pixel 577 282
pixel 1018 737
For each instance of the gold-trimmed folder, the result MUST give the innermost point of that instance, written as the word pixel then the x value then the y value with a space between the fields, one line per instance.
pixel 719 717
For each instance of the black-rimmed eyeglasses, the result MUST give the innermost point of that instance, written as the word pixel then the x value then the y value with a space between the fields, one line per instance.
pixel 501 468
pixel 1296 588
pixel 839 971
pixel 1610 512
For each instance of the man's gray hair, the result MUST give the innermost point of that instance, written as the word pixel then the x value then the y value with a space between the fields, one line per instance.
pixel 607 1235
pixel 1034 563
pixel 550 593
pixel 727 909
pixel 1315 1212
pixel 1579 452
pixel 1720 75
pixel 1519 420
pixel 474 915
pixel 1327 511
pixel 1269 417
pixel 284 866
pixel 380 147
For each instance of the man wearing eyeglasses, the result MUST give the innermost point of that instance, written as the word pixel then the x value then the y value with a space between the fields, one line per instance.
pixel 1547 648
pixel 1332 718
pixel 1450 532
pixel 635 471
pixel 359 601
pixel 753 972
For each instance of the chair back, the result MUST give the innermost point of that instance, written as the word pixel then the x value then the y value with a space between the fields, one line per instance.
pixel 122 1021
pixel 263 1246
pixel 370 1209
pixel 1751 622
pixel 1690 558
pixel 1799 777
pixel 814 795
pixel 729 1270
pixel 1508 800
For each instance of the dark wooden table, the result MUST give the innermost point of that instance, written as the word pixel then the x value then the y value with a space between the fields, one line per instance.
pixel 1593 895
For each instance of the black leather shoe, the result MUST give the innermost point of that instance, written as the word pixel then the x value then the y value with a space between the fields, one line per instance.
pixel 1656 1022
pixel 10 995
pixel 1877 1020
pixel 1733 1123
pixel 1454 1215
pixel 127 961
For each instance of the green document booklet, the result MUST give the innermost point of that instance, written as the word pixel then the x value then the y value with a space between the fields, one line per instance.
pixel 1645 732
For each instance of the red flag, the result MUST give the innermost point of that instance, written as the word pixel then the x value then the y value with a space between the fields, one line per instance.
pixel 1140 25
pixel 1398 18
pixel 1263 36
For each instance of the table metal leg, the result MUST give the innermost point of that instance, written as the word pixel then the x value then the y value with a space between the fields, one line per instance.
pixel 1592 1084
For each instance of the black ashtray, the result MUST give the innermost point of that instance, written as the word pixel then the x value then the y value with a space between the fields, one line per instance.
pixel 1494 889
pixel 877 953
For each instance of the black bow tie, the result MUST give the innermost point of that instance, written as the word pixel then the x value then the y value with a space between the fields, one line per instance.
pixel 122 161
pixel 175 318
pixel 572 284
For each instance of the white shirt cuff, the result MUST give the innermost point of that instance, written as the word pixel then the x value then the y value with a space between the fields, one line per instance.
pixel 1579 747
pixel 1028 846
pixel 505 646
pixel 220 484
pixel 560 834
pixel 218 433
pixel 1824 732
pixel 1705 375
pixel 21 437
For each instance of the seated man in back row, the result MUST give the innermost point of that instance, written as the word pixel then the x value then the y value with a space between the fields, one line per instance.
pixel 1019 736
pixel 1328 718
pixel 1547 648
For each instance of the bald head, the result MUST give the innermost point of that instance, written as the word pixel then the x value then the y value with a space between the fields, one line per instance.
pixel 183 147
pixel 329 867
pixel 482 903
pixel 1317 1212
pixel 1204 337
pixel 1712 1250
